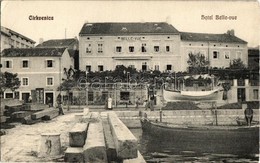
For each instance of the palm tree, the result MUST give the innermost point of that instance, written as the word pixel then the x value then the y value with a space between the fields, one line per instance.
pixel 197 62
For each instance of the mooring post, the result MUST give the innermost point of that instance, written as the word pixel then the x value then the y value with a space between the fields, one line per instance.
pixel 50 145
pixel 160 114
pixel 216 112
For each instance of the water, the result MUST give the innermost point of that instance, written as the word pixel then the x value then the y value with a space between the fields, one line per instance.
pixel 156 150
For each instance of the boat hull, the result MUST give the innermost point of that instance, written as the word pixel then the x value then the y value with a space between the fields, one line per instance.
pixel 220 139
pixel 181 96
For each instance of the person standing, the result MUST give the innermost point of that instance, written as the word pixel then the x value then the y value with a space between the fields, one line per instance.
pixel 152 103
pixel 30 99
pixel 249 115
pixel 137 103
pixel 109 103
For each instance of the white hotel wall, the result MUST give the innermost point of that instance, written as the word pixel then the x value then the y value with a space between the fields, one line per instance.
pixel 109 51
pixel 232 48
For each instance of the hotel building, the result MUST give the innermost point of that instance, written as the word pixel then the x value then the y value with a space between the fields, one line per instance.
pixel 153 46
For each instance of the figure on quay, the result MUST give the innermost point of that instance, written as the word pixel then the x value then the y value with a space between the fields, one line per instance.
pixel 249 115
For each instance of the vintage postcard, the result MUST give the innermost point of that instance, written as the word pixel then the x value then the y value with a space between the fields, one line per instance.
pixel 130 81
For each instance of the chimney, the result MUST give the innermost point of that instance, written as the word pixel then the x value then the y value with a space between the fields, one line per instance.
pixel 40 40
pixel 231 32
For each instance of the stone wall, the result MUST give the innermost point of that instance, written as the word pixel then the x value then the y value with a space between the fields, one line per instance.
pixel 202 117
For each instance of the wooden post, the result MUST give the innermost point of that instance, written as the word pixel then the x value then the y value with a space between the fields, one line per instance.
pixel 161 115
pixel 50 145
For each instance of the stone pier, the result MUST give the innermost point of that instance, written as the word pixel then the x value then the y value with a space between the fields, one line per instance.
pixel 107 139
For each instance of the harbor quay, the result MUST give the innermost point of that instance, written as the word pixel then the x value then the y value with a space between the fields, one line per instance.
pixel 99 133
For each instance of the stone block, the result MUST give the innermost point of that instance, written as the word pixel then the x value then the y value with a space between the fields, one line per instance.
pixel 74 154
pixel 125 142
pixel 94 149
pixel 78 134
pixel 43 113
pixel 110 145
pixel 139 159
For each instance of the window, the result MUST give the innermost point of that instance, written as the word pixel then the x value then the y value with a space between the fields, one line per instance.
pixel 143 48
pixel 25 81
pixel 49 81
pixel 100 48
pixel 156 48
pixel 49 63
pixel 25 64
pixel 131 49
pixel 168 67
pixel 88 48
pixel 17 44
pixel 255 91
pixel 88 68
pixel 100 68
pixel 156 67
pixel 144 66
pixel 8 64
pixel 118 49
pixel 239 55
pixel 9 95
pixel 227 55
pixel 167 49
pixel 215 54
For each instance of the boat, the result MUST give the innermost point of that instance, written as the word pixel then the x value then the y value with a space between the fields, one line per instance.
pixel 210 137
pixel 203 94
pixel 171 95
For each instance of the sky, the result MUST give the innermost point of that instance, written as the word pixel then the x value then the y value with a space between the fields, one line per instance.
pixel 183 15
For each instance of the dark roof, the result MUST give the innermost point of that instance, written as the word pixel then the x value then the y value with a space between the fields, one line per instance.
pixel 33 52
pixel 73 52
pixel 18 34
pixel 127 28
pixel 58 43
pixel 253 52
pixel 227 38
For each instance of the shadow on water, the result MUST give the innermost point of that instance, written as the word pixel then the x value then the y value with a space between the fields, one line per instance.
pixel 167 149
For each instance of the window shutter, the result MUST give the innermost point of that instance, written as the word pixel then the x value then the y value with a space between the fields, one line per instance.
pixel 45 63
pixel 21 65
pixel 53 63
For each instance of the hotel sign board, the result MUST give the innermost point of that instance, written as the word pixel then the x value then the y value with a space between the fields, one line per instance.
pixel 132 38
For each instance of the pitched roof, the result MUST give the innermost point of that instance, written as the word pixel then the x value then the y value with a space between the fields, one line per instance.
pixel 127 28
pixel 58 43
pixel 17 34
pixel 227 38
pixel 33 52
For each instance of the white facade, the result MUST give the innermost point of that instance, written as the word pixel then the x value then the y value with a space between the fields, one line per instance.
pixel 43 73
pixel 143 52
pixel 103 46
pixel 12 39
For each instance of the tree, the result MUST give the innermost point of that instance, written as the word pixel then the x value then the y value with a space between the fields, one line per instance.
pixel 237 64
pixel 9 81
pixel 197 63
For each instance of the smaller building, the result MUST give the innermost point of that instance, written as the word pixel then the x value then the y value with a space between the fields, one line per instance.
pixel 12 39
pixel 253 58
pixel 72 44
pixel 40 71
pixel 219 49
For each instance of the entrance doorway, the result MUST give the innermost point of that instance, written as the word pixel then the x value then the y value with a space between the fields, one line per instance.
pixel 241 94
pixel 25 97
pixel 49 99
